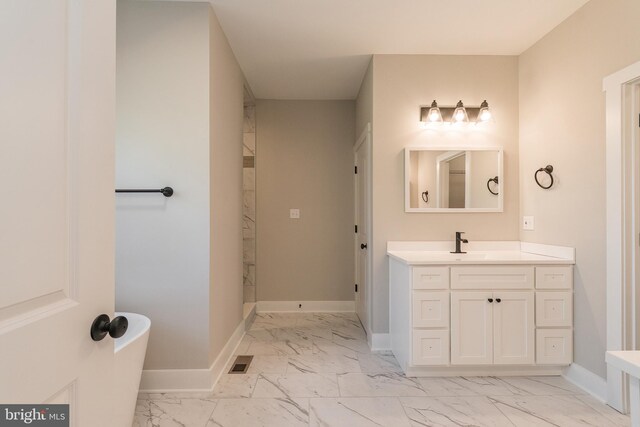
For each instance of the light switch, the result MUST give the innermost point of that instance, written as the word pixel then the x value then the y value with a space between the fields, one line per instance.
pixel 294 213
pixel 527 223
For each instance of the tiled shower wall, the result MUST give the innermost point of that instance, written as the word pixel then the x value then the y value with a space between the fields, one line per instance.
pixel 249 210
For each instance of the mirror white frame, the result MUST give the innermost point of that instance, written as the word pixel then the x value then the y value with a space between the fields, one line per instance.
pixel 451 152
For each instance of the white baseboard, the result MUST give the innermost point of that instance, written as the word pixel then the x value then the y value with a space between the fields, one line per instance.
pixel 219 365
pixel 200 380
pixel 586 380
pixel 249 314
pixel 305 306
pixel 379 342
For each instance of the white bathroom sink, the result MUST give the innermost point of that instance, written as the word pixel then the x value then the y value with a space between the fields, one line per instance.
pixel 448 257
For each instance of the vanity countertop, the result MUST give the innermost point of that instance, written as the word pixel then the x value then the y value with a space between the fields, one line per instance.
pixel 438 253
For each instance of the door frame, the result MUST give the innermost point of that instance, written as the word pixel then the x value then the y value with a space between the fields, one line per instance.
pixel 622 209
pixel 365 138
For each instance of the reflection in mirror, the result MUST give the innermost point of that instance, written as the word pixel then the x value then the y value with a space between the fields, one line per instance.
pixel 453 180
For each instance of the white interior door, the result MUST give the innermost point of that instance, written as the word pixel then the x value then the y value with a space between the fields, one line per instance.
pixel 363 224
pixel 57 77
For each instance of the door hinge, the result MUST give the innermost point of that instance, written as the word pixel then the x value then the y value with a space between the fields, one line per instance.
pixel 356 228
pixel 356 287
pixel 356 169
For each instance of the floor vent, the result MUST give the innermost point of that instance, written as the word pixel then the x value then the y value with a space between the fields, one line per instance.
pixel 241 364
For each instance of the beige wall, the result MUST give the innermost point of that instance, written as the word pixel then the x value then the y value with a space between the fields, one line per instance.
pixel 401 84
pixel 562 122
pixel 305 161
pixel 226 116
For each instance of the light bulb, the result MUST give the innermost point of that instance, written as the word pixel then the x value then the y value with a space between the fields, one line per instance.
pixel 460 114
pixel 484 115
pixel 434 116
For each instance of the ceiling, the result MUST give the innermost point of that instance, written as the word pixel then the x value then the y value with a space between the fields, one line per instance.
pixel 320 49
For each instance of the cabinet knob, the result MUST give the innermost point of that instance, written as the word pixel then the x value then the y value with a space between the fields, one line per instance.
pixel 498 300
pixel 490 299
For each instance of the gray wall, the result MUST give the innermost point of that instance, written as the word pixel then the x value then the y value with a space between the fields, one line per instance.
pixel 401 84
pixel 162 138
pixel 562 122
pixel 179 123
pixel 305 151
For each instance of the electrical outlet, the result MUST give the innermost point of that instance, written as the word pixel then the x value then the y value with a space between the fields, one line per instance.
pixel 294 213
pixel 527 223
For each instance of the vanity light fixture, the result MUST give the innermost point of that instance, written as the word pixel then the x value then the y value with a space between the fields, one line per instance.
pixel 459 114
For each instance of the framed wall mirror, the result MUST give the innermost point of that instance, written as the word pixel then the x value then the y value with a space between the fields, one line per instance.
pixel 453 179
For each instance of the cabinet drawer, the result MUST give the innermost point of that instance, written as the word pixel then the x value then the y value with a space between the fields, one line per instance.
pixel 430 277
pixel 492 277
pixel 430 309
pixel 554 277
pixel 554 308
pixel 554 346
pixel 430 347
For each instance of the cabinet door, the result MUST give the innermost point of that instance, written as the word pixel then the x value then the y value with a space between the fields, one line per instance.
pixel 430 309
pixel 471 328
pixel 514 328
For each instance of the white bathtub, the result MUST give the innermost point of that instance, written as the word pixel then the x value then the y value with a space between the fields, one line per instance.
pixel 129 354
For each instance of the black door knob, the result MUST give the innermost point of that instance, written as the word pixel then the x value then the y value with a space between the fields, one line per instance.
pixel 498 300
pixel 102 326
pixel 363 246
pixel 490 299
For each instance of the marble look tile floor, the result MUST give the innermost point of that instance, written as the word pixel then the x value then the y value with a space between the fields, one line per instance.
pixel 315 369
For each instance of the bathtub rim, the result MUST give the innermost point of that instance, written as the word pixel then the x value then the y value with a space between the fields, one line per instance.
pixel 139 325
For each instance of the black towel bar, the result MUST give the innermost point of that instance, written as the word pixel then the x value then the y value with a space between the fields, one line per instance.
pixel 166 191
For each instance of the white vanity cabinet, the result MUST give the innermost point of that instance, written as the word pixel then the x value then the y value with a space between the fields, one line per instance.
pixel 461 319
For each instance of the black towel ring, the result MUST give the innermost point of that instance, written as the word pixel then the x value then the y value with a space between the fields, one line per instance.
pixel 548 169
pixel 425 196
pixel 489 187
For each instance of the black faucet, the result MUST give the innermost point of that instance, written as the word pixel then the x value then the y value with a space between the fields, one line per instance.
pixel 459 240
